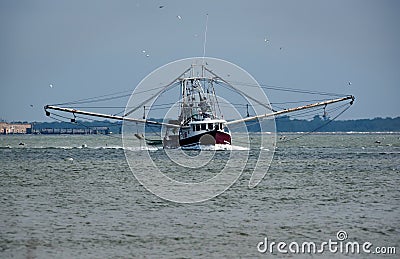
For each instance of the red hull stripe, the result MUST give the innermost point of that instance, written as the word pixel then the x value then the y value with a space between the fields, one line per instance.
pixel 219 137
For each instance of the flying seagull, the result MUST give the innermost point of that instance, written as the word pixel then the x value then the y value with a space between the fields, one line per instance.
pixel 144 53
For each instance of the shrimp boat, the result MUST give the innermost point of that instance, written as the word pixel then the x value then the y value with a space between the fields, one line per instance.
pixel 198 124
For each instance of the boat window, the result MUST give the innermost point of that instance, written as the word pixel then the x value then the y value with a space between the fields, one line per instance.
pixel 216 126
pixel 194 128
pixel 210 126
pixel 203 126
pixel 220 126
pixel 197 127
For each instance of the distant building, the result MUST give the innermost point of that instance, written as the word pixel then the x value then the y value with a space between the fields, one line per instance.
pixel 15 128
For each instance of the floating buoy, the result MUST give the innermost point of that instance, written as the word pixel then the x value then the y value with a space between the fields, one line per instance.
pixel 84 145
pixel 21 144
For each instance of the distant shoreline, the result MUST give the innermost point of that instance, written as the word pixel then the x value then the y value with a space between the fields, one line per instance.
pixel 284 124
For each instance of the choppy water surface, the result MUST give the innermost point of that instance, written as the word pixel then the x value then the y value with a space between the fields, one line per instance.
pixel 59 200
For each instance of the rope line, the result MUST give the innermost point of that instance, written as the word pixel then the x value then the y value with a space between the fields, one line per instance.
pixel 315 130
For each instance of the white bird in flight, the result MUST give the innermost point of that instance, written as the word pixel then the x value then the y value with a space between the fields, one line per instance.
pixel 144 53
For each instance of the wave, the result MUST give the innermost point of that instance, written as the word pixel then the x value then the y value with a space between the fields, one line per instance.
pixel 61 147
pixel 216 147
pixel 142 148
pixel 342 133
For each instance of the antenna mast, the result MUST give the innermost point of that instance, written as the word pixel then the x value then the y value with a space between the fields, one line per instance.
pixel 205 40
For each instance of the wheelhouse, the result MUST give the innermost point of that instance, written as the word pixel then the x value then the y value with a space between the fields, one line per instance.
pixel 204 126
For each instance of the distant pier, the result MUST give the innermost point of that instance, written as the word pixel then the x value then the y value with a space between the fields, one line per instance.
pixel 15 128
pixel 73 131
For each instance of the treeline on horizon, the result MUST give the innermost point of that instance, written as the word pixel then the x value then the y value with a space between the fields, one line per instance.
pixel 283 124
pixel 318 124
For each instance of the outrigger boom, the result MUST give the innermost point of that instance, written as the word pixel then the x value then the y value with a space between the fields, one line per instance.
pixel 293 109
pixel 114 117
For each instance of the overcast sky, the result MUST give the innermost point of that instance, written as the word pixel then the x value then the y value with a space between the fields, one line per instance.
pixel 89 48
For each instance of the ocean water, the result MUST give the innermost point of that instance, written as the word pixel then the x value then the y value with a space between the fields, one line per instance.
pixel 75 197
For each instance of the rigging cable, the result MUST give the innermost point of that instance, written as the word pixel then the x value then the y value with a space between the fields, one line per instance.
pixel 78 123
pixel 313 131
pixel 286 89
pixel 303 134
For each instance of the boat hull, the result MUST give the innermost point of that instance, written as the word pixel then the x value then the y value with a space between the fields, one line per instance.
pixel 214 137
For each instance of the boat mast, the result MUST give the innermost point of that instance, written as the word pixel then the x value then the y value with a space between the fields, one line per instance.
pixel 196 96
